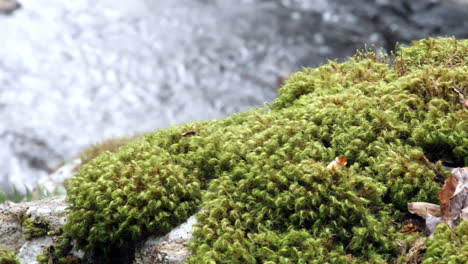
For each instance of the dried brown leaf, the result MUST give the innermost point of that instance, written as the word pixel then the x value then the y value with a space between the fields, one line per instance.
pixel 339 162
pixel 189 133
pixel 445 194
pixel 453 202
pixel 409 228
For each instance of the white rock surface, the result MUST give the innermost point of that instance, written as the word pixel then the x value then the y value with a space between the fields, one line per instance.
pixel 32 248
pixel 169 249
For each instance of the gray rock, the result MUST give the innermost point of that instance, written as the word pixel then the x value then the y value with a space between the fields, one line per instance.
pixel 11 234
pixel 32 248
pixel 169 249
pixel 11 231
pixel 51 209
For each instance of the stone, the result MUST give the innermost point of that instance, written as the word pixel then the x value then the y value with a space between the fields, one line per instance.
pixel 29 251
pixel 12 233
pixel 169 249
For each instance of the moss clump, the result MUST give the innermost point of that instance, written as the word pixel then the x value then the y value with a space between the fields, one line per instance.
pixel 447 245
pixel 58 252
pixel 261 176
pixel 35 227
pixel 8 257
pixel 111 145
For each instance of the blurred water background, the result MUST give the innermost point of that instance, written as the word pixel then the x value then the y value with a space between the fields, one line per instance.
pixel 73 73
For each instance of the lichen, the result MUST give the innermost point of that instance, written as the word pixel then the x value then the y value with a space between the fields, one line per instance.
pixel 8 257
pixel 261 176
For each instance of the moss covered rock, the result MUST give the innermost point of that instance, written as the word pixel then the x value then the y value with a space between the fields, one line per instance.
pixel 35 227
pixel 261 176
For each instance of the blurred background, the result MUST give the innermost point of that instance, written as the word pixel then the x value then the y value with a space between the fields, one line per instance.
pixel 73 73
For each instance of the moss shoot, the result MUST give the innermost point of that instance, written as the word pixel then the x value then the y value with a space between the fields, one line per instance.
pixel 261 176
pixel 447 245
pixel 8 257
pixel 34 227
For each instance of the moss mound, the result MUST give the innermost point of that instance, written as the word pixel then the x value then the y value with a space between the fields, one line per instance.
pixel 261 176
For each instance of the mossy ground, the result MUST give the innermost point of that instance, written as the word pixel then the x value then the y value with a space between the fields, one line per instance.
pixel 261 176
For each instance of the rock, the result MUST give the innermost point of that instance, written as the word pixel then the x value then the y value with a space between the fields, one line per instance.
pixel 29 251
pixel 11 235
pixel 8 6
pixel 12 232
pixel 50 209
pixel 169 249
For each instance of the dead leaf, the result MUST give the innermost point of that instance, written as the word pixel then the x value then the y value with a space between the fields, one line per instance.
pixel 463 101
pixel 461 175
pixel 422 209
pixel 414 255
pixel 464 214
pixel 409 228
pixel 432 222
pixel 453 202
pixel 339 162
pixel 189 133
pixel 445 194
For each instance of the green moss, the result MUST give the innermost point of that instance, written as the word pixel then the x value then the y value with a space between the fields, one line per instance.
pixel 448 246
pixel 34 227
pixel 58 252
pixel 261 176
pixel 111 145
pixel 8 257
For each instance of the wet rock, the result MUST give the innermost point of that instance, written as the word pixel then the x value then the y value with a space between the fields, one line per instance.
pixel 8 6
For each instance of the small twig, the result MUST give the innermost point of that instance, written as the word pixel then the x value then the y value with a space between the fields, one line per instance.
pixel 433 168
